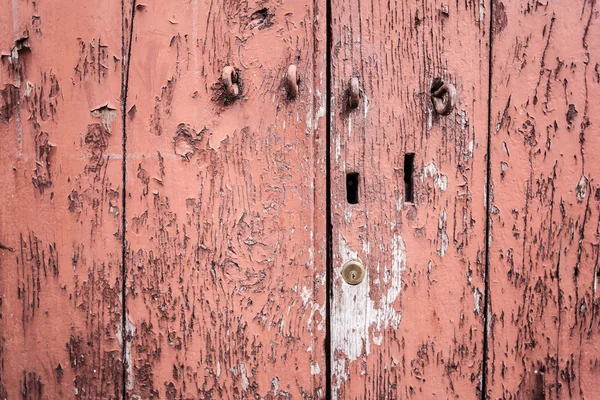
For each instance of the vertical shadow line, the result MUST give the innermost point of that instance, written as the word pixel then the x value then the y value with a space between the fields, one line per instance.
pixel 488 203
pixel 125 63
pixel 329 228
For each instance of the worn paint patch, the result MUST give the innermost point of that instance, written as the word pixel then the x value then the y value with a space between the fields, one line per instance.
pixel 430 171
pixel 8 102
pixel 444 242
pixel 581 188
pixel 129 334
pixel 107 115
pixel 186 141
pixel 500 18
pixel 361 313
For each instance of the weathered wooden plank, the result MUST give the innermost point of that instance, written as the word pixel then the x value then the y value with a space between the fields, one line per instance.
pixel 413 327
pixel 545 215
pixel 60 194
pixel 226 205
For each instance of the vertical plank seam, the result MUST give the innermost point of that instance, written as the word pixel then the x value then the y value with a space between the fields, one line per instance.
pixel 488 203
pixel 329 226
pixel 125 56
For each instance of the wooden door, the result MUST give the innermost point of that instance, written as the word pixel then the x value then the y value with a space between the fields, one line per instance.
pixel 544 211
pixel 225 201
pixel 177 216
pixel 413 328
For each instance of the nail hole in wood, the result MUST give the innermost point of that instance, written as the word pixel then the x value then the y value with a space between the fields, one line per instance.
pixel 352 180
pixel 409 167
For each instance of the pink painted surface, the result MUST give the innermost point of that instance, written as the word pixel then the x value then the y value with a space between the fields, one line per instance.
pixel 414 327
pixel 545 206
pixel 226 202
pixel 60 199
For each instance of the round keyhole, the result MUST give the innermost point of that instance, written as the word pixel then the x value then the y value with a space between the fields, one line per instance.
pixel 353 272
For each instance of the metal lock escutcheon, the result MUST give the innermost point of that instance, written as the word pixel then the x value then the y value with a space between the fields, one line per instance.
pixel 353 272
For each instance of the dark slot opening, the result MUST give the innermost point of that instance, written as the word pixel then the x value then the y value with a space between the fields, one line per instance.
pixel 409 168
pixel 352 180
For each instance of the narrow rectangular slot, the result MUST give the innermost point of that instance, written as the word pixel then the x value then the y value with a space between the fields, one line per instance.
pixel 352 180
pixel 409 168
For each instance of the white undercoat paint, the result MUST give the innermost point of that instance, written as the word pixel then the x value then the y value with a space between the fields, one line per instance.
pixel 581 188
pixel 359 320
pixel 430 171
pixel 443 236
pixel 130 329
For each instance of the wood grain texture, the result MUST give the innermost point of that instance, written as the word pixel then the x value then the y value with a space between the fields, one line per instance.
pixel 413 328
pixel 60 194
pixel 544 340
pixel 226 202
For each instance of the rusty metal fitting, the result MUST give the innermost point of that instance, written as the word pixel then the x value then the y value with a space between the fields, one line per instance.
pixel 354 92
pixel 443 96
pixel 230 79
pixel 292 81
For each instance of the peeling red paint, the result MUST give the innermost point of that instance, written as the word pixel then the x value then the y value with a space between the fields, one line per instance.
pixel 60 278
pixel 164 199
pixel 225 273
pixel 414 327
pixel 543 242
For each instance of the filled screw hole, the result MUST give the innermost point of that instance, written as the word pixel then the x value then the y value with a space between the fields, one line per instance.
pixel 352 181
pixel 409 168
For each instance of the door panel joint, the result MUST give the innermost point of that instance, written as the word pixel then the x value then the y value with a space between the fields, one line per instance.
pixel 328 221
pixel 126 39
pixel 488 203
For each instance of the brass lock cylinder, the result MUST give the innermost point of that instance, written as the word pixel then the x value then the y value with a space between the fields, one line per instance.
pixel 353 272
